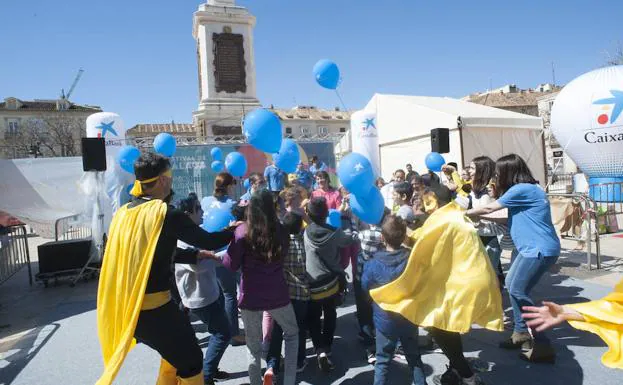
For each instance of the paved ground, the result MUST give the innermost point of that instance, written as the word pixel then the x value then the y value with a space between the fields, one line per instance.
pixel 48 336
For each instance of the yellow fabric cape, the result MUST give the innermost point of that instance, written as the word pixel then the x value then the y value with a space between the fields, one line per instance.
pixel 448 282
pixel 604 317
pixel 132 240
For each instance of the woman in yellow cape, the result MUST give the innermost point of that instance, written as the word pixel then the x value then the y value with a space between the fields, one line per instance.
pixel 448 285
pixel 603 317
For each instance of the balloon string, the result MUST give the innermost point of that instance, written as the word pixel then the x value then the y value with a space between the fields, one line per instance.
pixel 341 100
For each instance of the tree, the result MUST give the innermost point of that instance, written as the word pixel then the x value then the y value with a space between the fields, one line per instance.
pixel 616 57
pixel 54 134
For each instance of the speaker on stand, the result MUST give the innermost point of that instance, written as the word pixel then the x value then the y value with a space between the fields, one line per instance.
pixel 94 161
pixel 440 140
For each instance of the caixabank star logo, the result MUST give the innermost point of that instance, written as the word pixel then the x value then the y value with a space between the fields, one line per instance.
pixel 606 125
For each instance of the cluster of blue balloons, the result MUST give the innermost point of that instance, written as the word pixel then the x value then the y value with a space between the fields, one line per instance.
pixel 164 143
pixel 217 160
pixel 126 158
pixel 434 161
pixel 217 215
pixel 327 74
pixel 262 128
pixel 236 164
pixel 357 176
pixel 288 156
pixel 334 219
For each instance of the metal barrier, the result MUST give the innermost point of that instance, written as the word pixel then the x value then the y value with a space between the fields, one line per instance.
pixel 71 227
pixel 560 183
pixel 609 198
pixel 587 209
pixel 14 253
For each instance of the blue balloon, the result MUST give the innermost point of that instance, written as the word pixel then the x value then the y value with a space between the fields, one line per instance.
pixel 126 158
pixel 217 166
pixel 434 161
pixel 288 157
pixel 164 143
pixel 262 128
pixel 217 219
pixel 355 173
pixel 334 219
pixel 369 208
pixel 236 164
pixel 246 184
pixel 327 74
pixel 216 153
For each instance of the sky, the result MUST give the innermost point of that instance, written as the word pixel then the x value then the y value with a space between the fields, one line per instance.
pixel 139 56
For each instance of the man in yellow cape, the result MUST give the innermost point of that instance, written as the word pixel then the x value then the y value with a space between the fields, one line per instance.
pixel 447 285
pixel 603 317
pixel 133 297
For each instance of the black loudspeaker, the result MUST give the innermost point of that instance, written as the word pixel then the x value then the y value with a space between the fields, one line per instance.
pixel 93 154
pixel 440 140
pixel 63 255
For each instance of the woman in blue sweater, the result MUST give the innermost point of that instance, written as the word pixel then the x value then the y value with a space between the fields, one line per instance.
pixel 538 246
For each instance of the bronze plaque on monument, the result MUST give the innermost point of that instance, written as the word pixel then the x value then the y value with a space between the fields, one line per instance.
pixel 229 63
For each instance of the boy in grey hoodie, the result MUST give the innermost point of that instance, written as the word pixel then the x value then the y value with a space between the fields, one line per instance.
pixel 326 277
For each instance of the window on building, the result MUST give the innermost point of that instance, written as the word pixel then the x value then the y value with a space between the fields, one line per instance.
pixel 305 130
pixel 288 130
pixel 12 128
pixel 323 131
pixel 342 129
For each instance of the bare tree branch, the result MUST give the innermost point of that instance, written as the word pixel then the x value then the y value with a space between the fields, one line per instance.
pixel 616 57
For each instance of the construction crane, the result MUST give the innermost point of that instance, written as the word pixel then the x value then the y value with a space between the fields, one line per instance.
pixel 73 85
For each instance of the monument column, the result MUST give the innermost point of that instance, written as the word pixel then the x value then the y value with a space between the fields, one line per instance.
pixel 224 35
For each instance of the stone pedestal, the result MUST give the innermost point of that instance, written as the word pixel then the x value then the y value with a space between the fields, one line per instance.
pixel 224 35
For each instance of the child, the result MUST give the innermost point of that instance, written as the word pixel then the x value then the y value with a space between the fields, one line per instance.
pixel 392 327
pixel 371 242
pixel 298 285
pixel 326 277
pixel 402 197
pixel 258 250
pixel 200 292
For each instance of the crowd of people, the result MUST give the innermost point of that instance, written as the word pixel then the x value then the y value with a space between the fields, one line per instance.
pixel 285 269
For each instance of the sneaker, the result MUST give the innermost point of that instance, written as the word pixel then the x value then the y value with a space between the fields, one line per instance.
pixel 541 353
pixel 300 368
pixel 399 354
pixel 450 377
pixel 371 356
pixel 518 340
pixel 220 375
pixel 324 363
pixel 268 377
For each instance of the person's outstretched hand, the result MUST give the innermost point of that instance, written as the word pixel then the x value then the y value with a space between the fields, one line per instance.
pixel 544 317
pixel 207 254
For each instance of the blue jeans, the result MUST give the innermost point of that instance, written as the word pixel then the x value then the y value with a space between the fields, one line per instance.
pixel 523 275
pixel 274 352
pixel 385 348
pixel 213 316
pixel 228 282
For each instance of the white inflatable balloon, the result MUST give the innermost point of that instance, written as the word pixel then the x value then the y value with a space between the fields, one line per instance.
pixel 587 120
pixel 107 125
pixel 365 138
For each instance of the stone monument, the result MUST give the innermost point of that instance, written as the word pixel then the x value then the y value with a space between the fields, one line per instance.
pixel 224 35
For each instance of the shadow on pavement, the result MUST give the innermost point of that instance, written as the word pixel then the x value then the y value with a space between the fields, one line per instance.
pixel 18 355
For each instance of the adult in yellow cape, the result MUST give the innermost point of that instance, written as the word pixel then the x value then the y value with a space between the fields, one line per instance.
pixel 603 317
pixel 447 285
pixel 133 297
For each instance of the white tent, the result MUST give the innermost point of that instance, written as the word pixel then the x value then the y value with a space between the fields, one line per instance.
pixel 404 123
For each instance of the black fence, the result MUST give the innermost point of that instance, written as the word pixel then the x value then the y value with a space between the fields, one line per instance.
pixel 14 253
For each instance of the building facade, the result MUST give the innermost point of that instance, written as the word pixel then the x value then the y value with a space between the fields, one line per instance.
pixel 226 67
pixel 42 128
pixel 537 101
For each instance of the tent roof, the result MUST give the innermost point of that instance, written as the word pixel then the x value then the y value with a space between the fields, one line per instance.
pixel 471 114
